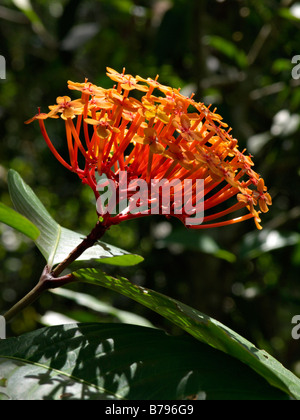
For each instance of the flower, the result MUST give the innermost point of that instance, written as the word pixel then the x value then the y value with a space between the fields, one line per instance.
pixel 158 138
pixel 66 107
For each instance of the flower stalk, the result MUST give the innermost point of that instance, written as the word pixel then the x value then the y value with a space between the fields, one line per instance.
pixel 46 282
pixel 52 279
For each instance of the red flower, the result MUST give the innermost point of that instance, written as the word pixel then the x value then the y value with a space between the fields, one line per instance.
pixel 167 137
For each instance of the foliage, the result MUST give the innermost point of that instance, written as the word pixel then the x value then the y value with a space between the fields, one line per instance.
pixel 16 355
pixel 235 54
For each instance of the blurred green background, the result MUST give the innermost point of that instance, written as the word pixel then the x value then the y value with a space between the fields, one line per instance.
pixel 235 54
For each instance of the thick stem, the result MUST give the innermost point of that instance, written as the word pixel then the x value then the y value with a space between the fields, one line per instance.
pixel 23 303
pixel 51 280
pixel 88 242
pixel 46 282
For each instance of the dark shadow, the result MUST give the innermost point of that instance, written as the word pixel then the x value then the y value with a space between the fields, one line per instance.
pixel 119 361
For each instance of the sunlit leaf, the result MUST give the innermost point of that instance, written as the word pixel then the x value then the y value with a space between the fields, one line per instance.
pixel 257 243
pixel 15 220
pixel 56 242
pixel 256 142
pixel 285 123
pixel 281 65
pixel 290 14
pixel 26 7
pixel 79 35
pixel 202 327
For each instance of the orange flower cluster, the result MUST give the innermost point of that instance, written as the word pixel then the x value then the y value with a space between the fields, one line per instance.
pixel 161 135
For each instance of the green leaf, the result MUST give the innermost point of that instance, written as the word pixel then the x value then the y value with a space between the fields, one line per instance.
pixel 229 49
pixel 26 7
pixel 202 327
pixel 113 361
pixel 56 242
pixel 195 241
pixel 257 243
pixel 94 304
pixel 12 218
pixel 289 14
pixel 281 65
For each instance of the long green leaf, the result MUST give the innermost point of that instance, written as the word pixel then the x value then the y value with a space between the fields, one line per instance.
pixel 56 242
pixel 202 327
pixel 104 308
pixel 113 361
pixel 15 220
